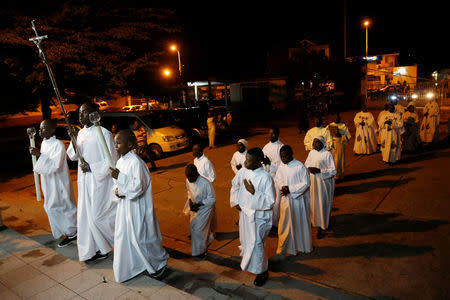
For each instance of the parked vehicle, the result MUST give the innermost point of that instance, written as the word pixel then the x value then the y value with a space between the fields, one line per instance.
pixel 162 136
pixel 133 108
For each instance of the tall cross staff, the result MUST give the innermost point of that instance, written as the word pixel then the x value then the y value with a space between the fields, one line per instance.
pixel 37 41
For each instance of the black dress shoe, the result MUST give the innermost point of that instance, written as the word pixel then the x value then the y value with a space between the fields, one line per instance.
pixel 159 273
pixel 261 279
pixel 96 257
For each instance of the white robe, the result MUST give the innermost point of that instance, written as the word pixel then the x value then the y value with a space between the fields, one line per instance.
pixel 380 115
pixel 272 151
pixel 315 132
pixel 322 187
pixel 255 219
pixel 206 169
pixel 294 228
pixel 237 159
pixel 200 191
pixel 429 128
pixel 57 188
pixel 137 238
pixel 400 109
pixel 391 147
pixel 365 137
pixel 96 210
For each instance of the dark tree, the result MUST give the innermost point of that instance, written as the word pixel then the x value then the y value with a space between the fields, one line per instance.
pixel 94 48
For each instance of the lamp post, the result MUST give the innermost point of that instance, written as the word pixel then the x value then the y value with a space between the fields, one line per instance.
pixel 174 48
pixel 366 24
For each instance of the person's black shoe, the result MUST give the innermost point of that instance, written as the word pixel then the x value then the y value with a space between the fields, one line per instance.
pixel 261 279
pixel 96 257
pixel 320 234
pixel 159 273
pixel 67 241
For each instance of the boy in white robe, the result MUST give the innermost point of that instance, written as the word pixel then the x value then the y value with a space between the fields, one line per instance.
pixel 320 164
pixel 429 128
pixel 96 210
pixel 291 184
pixel 391 127
pixel 365 137
pixel 57 187
pixel 205 169
pixel 341 136
pixel 271 162
pixel 318 131
pixel 238 159
pixel 253 194
pixel 137 238
pixel 199 206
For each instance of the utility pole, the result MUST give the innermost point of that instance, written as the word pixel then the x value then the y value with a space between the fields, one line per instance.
pixel 345 29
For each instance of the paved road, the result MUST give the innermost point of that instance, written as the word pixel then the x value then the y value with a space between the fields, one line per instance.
pixel 389 235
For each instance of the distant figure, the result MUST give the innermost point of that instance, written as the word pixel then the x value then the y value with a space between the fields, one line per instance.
pixel 238 159
pixel 57 187
pixel 253 194
pixel 365 137
pixel 410 138
pixel 341 136
pixel 291 183
pixel 391 129
pixel 200 206
pixel 321 167
pixel 137 238
pixel 114 130
pixel 210 122
pixel 429 128
pixel 380 115
pixel 318 131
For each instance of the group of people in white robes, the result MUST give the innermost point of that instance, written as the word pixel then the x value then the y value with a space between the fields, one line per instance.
pixel 115 205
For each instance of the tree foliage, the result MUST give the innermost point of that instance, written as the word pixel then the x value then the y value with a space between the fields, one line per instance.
pixel 94 49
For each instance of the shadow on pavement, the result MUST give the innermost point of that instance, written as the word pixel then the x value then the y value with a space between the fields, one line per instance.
pixel 346 225
pixel 379 173
pixel 222 236
pixel 368 186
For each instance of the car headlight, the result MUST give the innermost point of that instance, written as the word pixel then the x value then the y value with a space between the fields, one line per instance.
pixel 168 138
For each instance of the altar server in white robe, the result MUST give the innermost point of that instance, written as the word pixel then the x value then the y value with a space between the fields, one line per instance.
pixel 137 238
pixel 271 162
pixel 59 203
pixel 429 127
pixel 205 169
pixel 391 127
pixel 291 184
pixel 238 159
pixel 253 194
pixel 318 131
pixel 199 206
pixel 380 115
pixel 320 164
pixel 365 137
pixel 96 210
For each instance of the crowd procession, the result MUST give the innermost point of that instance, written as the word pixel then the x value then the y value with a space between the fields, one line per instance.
pixel 271 190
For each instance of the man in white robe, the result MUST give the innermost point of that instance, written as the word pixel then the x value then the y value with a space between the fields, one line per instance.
pixel 199 206
pixel 320 164
pixel 57 187
pixel 96 210
pixel 380 115
pixel 315 132
pixel 137 238
pixel 205 169
pixel 271 162
pixel 238 159
pixel 291 184
pixel 341 136
pixel 391 127
pixel 253 194
pixel 365 137
pixel 429 128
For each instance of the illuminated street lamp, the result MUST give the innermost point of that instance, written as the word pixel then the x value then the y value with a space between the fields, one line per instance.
pixel 174 48
pixel 366 24
pixel 166 72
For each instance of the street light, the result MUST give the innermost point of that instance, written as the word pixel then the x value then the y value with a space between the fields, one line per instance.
pixel 174 48
pixel 166 72
pixel 366 24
